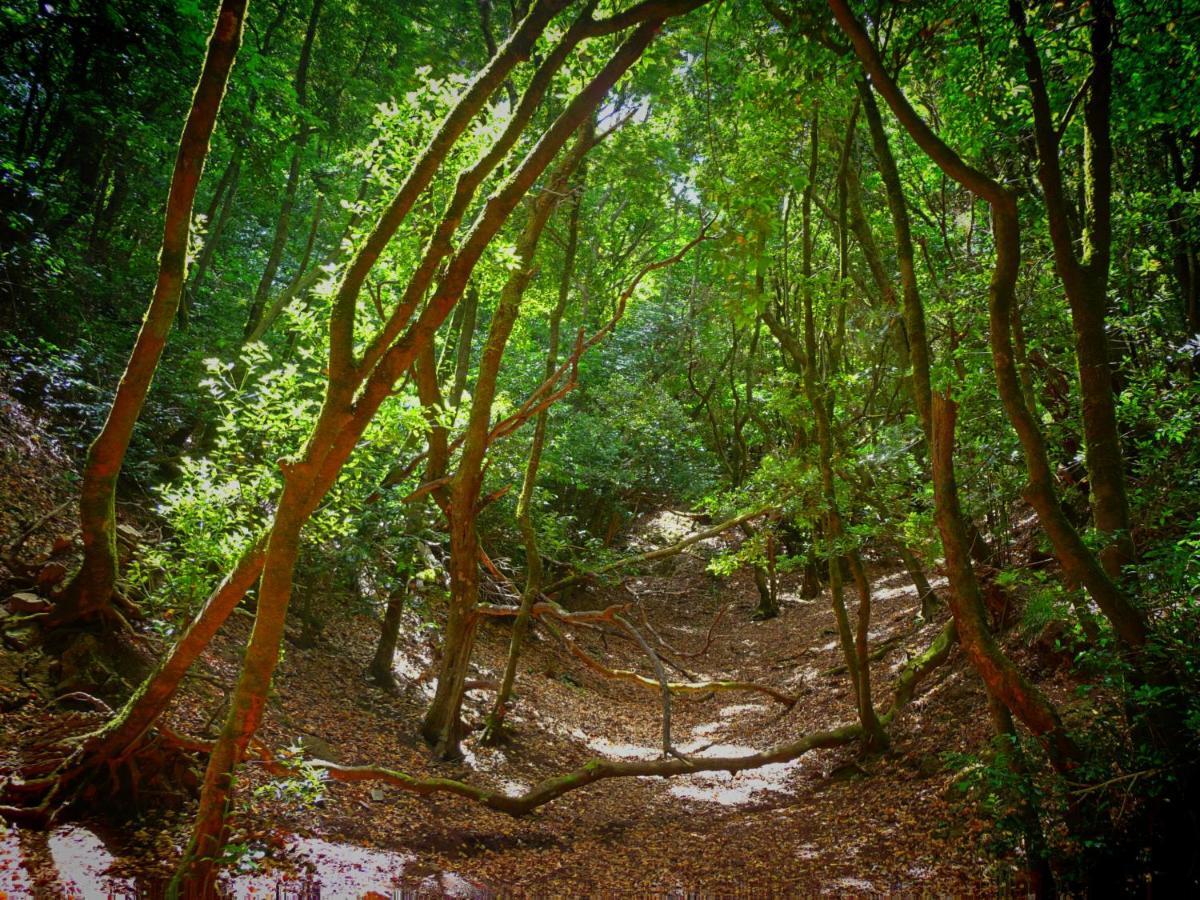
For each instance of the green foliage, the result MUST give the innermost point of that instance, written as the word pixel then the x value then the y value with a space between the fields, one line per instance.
pixel 1005 802
pixel 699 396
pixel 303 787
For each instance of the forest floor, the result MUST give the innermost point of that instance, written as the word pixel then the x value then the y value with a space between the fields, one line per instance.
pixel 829 822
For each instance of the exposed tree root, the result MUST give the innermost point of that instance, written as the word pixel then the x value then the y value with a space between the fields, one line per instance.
pixel 611 615
pixel 61 774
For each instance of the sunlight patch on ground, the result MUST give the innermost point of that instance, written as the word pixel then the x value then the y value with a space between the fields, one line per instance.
pixel 348 870
pixel 323 869
pixel 739 788
pixel 514 788
pixel 728 712
pixel 902 588
pixel 81 859
pixel 851 884
pixel 893 593
pixel 891 579
pixel 668 527
pixel 613 750
pixel 14 881
pixel 333 868
pixel 410 665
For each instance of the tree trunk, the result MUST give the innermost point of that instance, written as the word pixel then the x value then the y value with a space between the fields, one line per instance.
pixel 533 558
pixel 1001 677
pixel 442 726
pixel 198 868
pixel 217 221
pixel 1085 277
pixel 89 595
pixel 1077 561
pixel 937 415
pixel 284 223
pixel 916 574
pixel 821 402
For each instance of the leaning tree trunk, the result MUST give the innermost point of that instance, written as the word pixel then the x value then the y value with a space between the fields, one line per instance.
pixel 358 387
pixel 1078 562
pixel 197 870
pixel 90 593
pixel 533 557
pixel 442 726
pixel 937 415
pixel 1000 675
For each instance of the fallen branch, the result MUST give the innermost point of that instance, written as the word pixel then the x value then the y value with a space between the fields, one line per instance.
pixel 881 650
pixel 546 610
pixel 601 769
pixel 592 771
pixel 919 667
pixel 661 553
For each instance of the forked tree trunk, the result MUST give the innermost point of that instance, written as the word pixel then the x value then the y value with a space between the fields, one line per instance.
pixel 90 592
pixel 442 726
pixel 358 387
pixel 121 736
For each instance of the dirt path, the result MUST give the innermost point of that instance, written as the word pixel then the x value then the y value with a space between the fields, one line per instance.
pixel 823 823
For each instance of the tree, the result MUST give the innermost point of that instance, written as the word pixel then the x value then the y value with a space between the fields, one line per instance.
pixel 90 593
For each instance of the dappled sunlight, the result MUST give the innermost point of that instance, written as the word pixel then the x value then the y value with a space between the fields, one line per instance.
pixel 475 448
pixel 741 709
pixel 740 788
pixel 81 861
pixel 14 879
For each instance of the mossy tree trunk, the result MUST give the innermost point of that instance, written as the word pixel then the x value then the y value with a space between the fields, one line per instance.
pixel 90 592
pixel 937 410
pixel 357 387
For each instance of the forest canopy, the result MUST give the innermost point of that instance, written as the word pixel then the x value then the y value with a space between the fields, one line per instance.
pixel 341 334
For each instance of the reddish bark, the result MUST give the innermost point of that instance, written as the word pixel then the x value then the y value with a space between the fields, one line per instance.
pixel 90 592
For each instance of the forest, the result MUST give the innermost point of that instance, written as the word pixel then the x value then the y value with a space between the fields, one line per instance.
pixel 599 447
